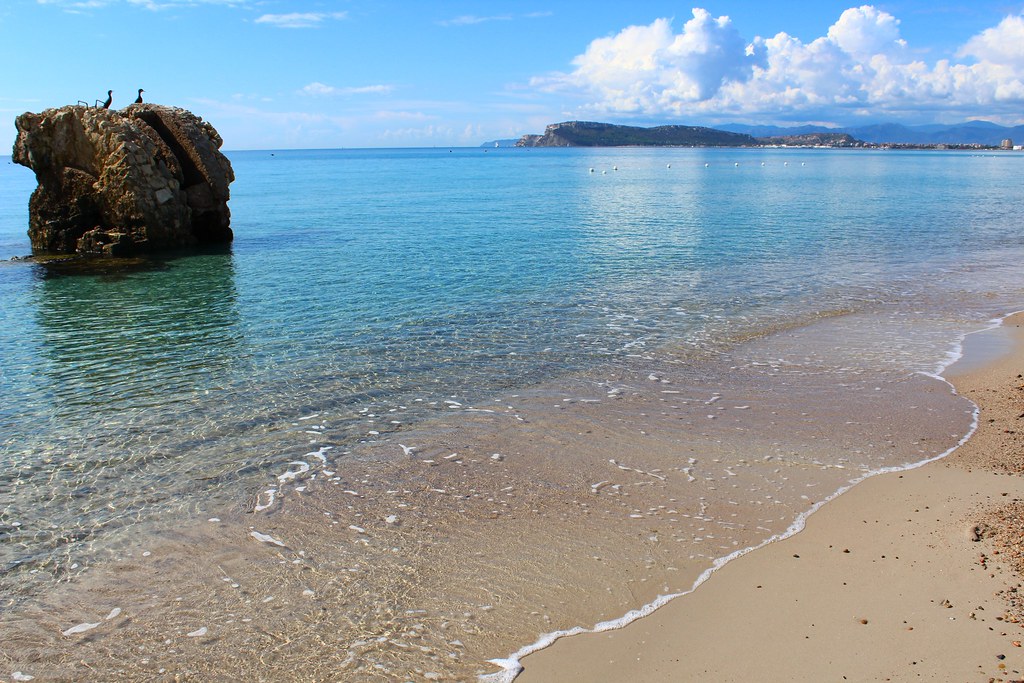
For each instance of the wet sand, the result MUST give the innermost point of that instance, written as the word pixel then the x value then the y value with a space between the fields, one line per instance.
pixel 909 576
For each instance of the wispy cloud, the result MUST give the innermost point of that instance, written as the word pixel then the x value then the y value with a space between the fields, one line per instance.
pixel 75 5
pixel 154 5
pixel 431 133
pixel 300 19
pixel 387 115
pixel 472 19
pixel 290 128
pixel 157 5
pixel 322 89
pixel 444 133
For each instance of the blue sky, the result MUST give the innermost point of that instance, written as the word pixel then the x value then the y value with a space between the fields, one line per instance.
pixel 383 73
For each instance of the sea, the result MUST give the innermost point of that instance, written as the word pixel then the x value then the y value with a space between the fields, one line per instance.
pixel 434 408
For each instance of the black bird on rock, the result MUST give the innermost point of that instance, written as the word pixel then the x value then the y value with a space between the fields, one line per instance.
pixel 110 98
pixel 138 100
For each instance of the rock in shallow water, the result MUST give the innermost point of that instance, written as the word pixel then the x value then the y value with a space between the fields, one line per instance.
pixel 141 179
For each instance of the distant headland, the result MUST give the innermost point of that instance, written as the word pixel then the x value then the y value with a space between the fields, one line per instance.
pixel 591 134
pixel 972 135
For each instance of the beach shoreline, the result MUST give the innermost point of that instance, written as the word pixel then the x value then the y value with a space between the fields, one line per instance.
pixel 927 595
pixel 432 561
pixel 368 444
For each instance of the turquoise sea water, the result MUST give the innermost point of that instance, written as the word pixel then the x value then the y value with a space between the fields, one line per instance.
pixel 384 282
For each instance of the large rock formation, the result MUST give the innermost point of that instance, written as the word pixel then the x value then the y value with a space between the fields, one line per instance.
pixel 143 178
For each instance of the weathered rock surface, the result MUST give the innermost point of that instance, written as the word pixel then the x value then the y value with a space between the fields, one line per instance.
pixel 140 179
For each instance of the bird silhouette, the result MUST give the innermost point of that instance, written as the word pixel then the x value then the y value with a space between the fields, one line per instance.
pixel 138 100
pixel 110 98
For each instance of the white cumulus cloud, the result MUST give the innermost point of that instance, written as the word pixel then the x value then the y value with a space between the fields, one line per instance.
pixel 860 66
pixel 650 67
pixel 864 32
pixel 1002 44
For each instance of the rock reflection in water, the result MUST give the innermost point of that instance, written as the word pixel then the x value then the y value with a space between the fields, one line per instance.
pixel 115 354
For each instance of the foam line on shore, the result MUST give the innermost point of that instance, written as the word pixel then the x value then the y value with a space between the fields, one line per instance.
pixel 511 666
pixel 957 352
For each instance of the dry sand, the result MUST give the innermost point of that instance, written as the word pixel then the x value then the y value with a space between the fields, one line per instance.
pixel 909 576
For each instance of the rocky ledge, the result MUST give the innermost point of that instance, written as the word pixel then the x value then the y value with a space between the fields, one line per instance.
pixel 141 179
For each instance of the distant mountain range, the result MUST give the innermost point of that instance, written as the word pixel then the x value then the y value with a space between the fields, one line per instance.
pixel 969 133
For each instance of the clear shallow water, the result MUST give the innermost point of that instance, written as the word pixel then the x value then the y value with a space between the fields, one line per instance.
pixel 372 286
pixel 376 277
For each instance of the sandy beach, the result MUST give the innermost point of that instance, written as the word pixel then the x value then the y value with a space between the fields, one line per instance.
pixel 477 540
pixel 909 576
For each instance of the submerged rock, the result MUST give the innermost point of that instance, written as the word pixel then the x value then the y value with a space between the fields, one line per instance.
pixel 140 179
